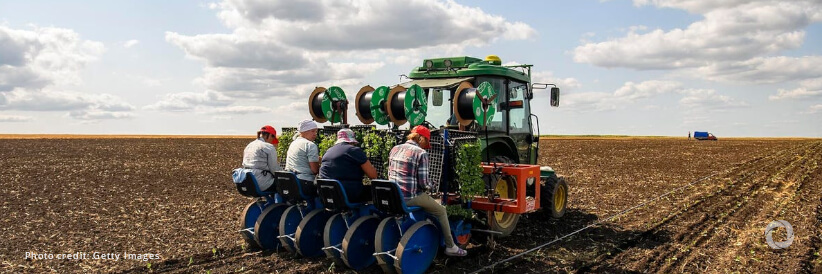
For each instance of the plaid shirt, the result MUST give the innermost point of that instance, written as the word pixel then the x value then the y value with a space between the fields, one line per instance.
pixel 408 166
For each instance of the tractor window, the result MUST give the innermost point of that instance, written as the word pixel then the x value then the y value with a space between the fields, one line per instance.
pixel 496 123
pixel 518 117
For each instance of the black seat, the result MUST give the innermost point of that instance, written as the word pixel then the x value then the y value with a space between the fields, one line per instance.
pixel 290 187
pixel 248 186
pixel 333 196
pixel 388 198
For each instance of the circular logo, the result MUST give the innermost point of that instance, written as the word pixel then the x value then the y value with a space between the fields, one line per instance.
pixel 769 234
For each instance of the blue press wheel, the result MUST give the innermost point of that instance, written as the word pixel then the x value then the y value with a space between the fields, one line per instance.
pixel 358 245
pixel 288 225
pixel 309 238
pixel 333 234
pixel 247 220
pixel 266 228
pixel 387 238
pixel 418 247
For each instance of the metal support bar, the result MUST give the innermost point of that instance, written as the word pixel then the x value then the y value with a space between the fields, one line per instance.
pixel 335 247
pixel 386 253
pixel 486 231
pixel 289 236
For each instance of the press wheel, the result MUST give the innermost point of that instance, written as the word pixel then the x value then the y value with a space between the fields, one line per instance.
pixel 247 220
pixel 309 237
pixel 266 229
pixel 358 244
pixel 418 248
pixel 387 238
pixel 288 225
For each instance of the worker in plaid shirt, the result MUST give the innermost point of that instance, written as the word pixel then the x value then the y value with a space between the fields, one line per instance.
pixel 408 166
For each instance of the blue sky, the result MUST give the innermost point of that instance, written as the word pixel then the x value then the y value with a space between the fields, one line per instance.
pixel 642 67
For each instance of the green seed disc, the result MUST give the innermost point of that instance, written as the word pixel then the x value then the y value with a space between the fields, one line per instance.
pixel 486 90
pixel 416 105
pixel 378 105
pixel 334 94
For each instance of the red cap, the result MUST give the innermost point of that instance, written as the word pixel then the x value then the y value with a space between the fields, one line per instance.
pixel 271 131
pixel 422 131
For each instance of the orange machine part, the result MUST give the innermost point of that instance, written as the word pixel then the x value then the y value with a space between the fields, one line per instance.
pixel 520 203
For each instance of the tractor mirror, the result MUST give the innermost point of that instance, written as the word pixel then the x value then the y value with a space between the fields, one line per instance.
pixel 554 96
pixel 436 98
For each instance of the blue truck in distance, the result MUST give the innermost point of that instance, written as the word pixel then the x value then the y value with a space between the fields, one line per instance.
pixel 704 135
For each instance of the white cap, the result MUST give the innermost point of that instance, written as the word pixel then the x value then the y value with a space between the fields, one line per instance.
pixel 306 125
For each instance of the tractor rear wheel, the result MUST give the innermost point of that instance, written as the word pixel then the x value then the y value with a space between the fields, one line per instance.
pixel 554 196
pixel 504 222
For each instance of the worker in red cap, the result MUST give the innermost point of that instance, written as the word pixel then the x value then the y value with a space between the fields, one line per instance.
pixel 408 166
pixel 261 157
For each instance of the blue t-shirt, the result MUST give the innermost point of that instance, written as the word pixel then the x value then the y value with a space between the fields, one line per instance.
pixel 343 162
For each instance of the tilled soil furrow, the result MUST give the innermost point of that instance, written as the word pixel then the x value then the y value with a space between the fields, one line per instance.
pixel 699 216
pixel 713 215
pixel 653 233
pixel 786 198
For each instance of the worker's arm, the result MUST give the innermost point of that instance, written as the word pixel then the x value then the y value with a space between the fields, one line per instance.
pixel 315 167
pixel 369 169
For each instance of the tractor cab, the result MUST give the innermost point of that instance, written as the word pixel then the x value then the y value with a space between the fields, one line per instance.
pixel 512 130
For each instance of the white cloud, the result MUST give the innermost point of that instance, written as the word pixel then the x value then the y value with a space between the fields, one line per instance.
pixel 707 99
pixel 547 77
pixel 130 43
pixel 815 109
pixel 798 93
pixel 286 48
pixel 240 110
pixel 630 93
pixel 588 101
pixel 730 44
pixel 239 50
pixel 93 115
pixel 633 91
pixel 349 25
pixel 811 88
pixel 186 101
pixel 47 100
pixel 14 118
pixel 36 66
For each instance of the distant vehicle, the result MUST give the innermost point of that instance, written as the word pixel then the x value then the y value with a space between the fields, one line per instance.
pixel 704 135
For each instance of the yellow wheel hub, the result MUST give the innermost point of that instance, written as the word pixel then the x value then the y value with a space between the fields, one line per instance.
pixel 504 219
pixel 559 198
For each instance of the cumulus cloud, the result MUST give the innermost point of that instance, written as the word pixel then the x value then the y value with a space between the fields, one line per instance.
pixel 708 99
pixel 734 41
pixel 240 110
pixel 632 93
pixel 547 77
pixel 335 25
pixel 130 43
pixel 14 118
pixel 37 64
pixel 21 99
pixel 286 48
pixel 93 115
pixel 187 101
pixel 811 88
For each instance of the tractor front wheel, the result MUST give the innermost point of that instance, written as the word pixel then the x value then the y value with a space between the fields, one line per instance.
pixel 554 196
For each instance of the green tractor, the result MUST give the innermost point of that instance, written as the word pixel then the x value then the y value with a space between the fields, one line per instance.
pixel 469 98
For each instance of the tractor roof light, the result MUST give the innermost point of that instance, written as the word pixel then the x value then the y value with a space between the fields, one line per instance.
pixel 429 64
pixel 447 63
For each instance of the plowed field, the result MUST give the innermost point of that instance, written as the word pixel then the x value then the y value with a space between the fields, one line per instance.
pixel 171 202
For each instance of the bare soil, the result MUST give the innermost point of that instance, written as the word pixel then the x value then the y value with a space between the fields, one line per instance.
pixel 173 197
